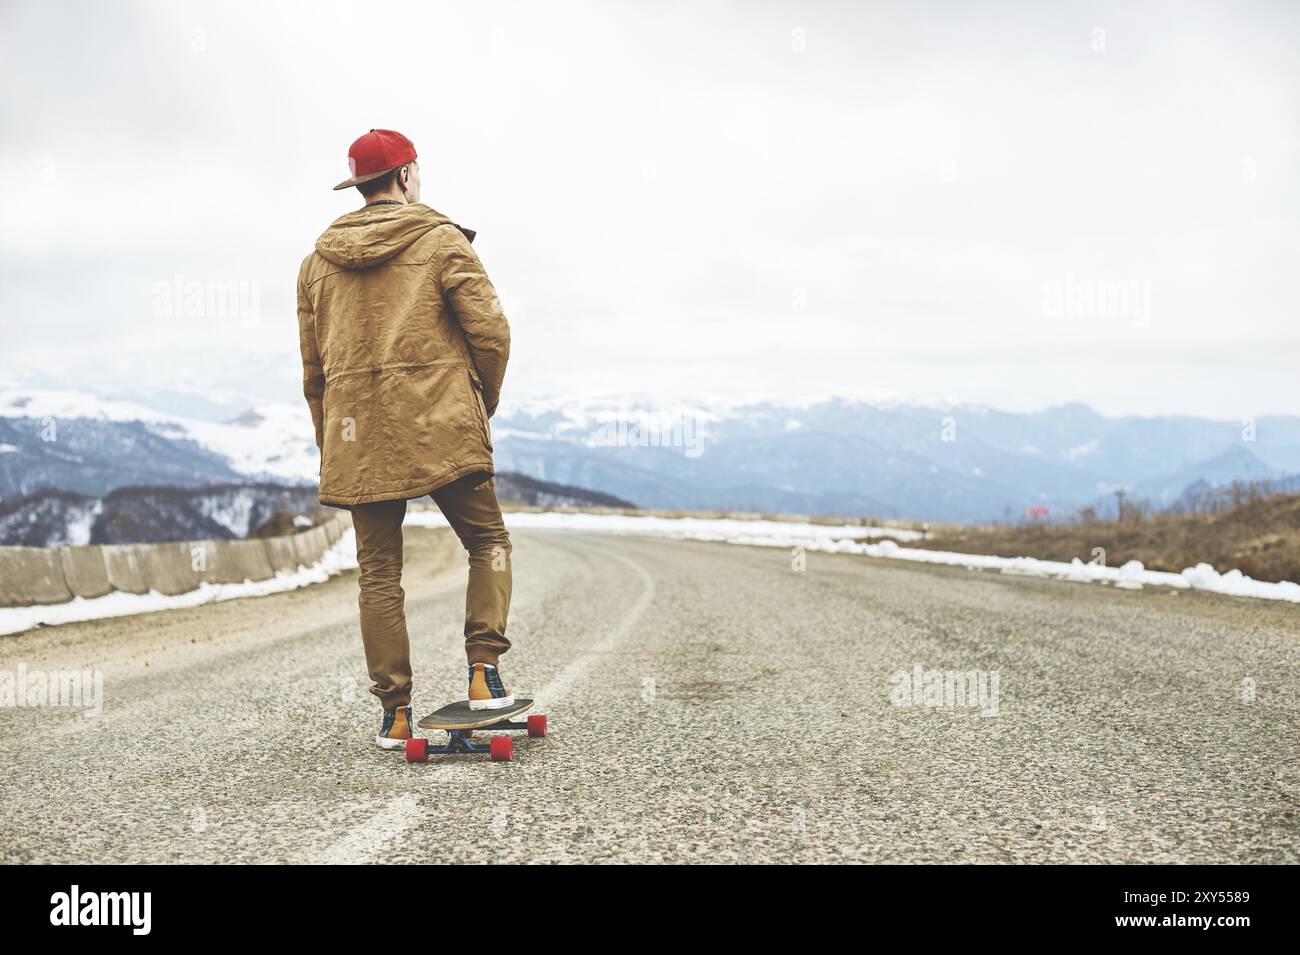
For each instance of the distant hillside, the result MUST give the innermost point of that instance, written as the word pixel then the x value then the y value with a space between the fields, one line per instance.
pixel 525 490
pixel 85 443
pixel 137 515
pixel 93 457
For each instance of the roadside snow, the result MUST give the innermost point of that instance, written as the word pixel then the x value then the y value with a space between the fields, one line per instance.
pixel 847 539
pixel 339 558
pixel 730 530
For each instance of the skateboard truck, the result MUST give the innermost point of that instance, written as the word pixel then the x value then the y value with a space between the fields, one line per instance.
pixel 460 722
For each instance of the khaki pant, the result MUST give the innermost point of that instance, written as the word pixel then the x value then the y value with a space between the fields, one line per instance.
pixel 470 506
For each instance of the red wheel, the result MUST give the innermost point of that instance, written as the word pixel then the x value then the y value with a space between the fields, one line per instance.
pixel 417 750
pixel 537 724
pixel 502 748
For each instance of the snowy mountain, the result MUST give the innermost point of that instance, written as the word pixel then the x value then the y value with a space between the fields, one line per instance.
pixel 930 462
pixel 954 462
pixel 81 442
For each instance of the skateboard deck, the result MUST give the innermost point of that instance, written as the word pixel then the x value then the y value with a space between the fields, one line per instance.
pixel 460 722
pixel 458 716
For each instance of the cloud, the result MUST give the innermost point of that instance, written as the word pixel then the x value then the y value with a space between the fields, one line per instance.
pixel 830 198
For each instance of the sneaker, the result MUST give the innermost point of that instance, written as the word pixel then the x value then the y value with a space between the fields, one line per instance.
pixel 486 691
pixel 396 728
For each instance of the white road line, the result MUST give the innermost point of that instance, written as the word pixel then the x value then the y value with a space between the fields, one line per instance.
pixel 570 674
pixel 392 819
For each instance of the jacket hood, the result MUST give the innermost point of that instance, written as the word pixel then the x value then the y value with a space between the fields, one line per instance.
pixel 370 236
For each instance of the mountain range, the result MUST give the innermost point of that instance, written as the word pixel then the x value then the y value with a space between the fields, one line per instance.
pixel 961 463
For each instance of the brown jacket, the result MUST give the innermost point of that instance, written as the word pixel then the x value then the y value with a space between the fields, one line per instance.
pixel 404 350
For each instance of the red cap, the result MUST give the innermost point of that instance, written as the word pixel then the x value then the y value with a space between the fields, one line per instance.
pixel 376 153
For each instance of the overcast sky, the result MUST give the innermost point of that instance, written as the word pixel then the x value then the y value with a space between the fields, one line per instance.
pixel 1016 204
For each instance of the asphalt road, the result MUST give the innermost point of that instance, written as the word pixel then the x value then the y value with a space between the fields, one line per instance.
pixel 707 703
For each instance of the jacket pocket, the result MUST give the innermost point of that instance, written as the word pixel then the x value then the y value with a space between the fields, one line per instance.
pixel 481 407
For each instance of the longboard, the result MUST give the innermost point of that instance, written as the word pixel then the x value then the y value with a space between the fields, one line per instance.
pixel 460 722
pixel 458 716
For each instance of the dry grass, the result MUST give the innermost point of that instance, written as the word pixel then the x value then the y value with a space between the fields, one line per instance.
pixel 1259 537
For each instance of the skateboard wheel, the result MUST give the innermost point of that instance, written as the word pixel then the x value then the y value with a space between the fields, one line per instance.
pixel 537 724
pixel 417 750
pixel 502 748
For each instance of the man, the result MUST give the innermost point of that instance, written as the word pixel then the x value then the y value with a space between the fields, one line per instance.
pixel 404 350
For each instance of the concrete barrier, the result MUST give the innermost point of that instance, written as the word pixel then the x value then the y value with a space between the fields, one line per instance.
pixel 204 559
pixel 125 570
pixel 311 545
pixel 173 568
pixel 37 575
pixel 281 553
pixel 237 561
pixel 319 538
pixel 85 571
pixel 31 575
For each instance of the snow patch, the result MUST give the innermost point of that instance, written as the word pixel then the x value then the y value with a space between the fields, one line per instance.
pixel 1082 450
pixel 80 526
pixel 682 528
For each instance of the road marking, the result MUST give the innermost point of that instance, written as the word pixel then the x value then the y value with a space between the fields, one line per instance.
pixel 389 820
pixel 570 674
pixel 393 818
